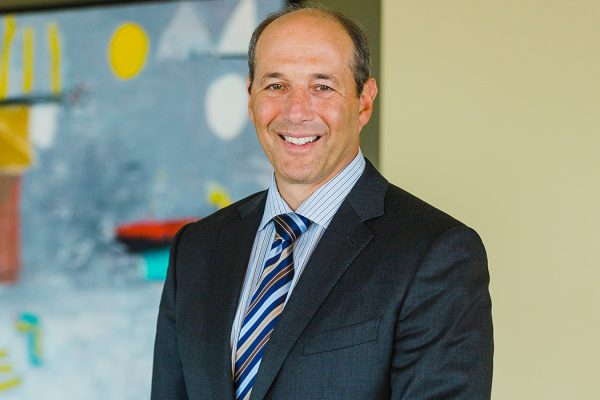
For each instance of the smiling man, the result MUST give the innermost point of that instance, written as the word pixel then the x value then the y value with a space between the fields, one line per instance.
pixel 333 283
pixel 304 101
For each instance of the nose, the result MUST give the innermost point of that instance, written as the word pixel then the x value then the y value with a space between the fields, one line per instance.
pixel 298 106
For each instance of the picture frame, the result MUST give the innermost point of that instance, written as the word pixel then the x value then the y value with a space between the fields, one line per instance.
pixel 17 6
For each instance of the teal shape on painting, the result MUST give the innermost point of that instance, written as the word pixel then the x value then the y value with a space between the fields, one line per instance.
pixel 155 264
pixel 29 318
pixel 28 324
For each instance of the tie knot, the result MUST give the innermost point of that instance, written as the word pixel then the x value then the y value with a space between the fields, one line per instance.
pixel 290 226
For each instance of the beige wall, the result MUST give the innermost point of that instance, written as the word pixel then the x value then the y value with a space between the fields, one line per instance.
pixel 491 111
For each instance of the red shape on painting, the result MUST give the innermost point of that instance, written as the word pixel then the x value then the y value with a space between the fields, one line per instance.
pixel 9 228
pixel 150 234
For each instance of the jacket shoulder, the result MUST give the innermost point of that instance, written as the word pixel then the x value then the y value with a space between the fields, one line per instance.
pixel 416 215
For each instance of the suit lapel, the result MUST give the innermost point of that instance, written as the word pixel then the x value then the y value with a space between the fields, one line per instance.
pixel 235 246
pixel 343 241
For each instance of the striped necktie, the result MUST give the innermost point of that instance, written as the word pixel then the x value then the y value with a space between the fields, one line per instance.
pixel 267 302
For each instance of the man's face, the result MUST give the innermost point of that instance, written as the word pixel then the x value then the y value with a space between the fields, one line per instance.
pixel 303 100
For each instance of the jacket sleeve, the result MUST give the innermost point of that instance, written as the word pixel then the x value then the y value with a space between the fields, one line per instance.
pixel 167 373
pixel 444 343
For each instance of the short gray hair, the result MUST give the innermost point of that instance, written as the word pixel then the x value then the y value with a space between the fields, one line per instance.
pixel 361 67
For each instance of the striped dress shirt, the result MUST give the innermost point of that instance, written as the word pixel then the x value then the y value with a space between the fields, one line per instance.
pixel 319 207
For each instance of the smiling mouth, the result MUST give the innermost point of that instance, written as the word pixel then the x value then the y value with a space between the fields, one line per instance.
pixel 299 141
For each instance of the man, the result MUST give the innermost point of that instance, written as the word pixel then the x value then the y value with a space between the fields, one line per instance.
pixel 333 284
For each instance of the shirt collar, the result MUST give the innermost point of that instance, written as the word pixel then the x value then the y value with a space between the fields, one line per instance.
pixel 327 197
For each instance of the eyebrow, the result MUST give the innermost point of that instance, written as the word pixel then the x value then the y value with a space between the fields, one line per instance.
pixel 317 75
pixel 325 77
pixel 271 75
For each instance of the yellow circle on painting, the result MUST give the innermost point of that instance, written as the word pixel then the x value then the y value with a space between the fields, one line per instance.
pixel 128 50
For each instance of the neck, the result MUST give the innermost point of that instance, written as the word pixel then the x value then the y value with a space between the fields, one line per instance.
pixel 294 195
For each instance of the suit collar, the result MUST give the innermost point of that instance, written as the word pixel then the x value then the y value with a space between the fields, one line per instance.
pixel 367 197
pixel 255 204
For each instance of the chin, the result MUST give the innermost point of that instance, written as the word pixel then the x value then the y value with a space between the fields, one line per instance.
pixel 298 176
pixel 293 168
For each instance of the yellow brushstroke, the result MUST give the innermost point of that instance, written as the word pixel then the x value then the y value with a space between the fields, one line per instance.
pixel 28 59
pixel 3 353
pixel 15 149
pixel 218 197
pixel 54 46
pixel 37 344
pixel 10 26
pixel 10 384
pixel 128 49
pixel 23 327
pixel 5 369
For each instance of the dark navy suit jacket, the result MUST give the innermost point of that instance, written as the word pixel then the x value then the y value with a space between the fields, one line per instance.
pixel 393 304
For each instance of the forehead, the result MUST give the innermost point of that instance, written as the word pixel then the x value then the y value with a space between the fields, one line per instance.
pixel 304 34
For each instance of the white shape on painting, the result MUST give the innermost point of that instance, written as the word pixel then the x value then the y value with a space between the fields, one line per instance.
pixel 185 35
pixel 42 124
pixel 226 106
pixel 238 30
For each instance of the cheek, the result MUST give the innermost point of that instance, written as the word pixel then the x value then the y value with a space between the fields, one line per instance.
pixel 264 111
pixel 334 116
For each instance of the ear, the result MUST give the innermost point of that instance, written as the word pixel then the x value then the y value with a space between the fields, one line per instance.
pixel 366 100
pixel 249 90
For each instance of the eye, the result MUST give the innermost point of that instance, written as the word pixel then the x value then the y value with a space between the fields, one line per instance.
pixel 322 88
pixel 275 87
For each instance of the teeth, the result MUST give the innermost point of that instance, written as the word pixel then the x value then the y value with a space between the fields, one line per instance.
pixel 300 141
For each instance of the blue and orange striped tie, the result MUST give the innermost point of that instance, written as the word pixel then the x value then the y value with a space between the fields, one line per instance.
pixel 267 302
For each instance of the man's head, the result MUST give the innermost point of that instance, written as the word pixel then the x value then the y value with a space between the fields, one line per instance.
pixel 361 64
pixel 303 99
